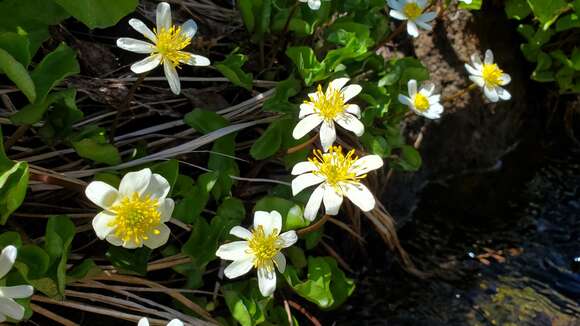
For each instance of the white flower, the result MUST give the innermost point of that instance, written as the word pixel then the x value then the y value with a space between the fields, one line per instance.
pixel 339 175
pixel 328 108
pixel 168 41
pixel 135 215
pixel 412 12
pixel 489 77
pixel 467 2
pixel 261 250
pixel 8 307
pixel 313 4
pixel 174 322
pixel 423 102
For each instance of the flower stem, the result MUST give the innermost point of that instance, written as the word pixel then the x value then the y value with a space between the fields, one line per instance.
pixel 300 147
pixel 125 106
pixel 460 93
pixel 314 227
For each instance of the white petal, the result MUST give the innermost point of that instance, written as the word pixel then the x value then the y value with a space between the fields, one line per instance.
pixel 163 16
pixel 241 232
pixel 166 209
pixel 266 282
pixel 157 240
pixel 503 94
pixel 353 109
pixel 147 64
pixel 134 45
pixel 476 60
pixel 488 57
pixel 365 164
pixel 405 100
pixel 101 224
pixel 332 201
pixel 314 4
pixel 280 262
pixel 412 29
pixel 195 60
pixel 434 99
pixel 360 196
pixel 350 91
pixel 271 222
pixel 305 109
pixel 140 27
pixel 101 194
pixel 288 238
pixel 114 240
pixel 477 80
pixel 472 70
pixel 143 322
pixel 304 181
pixel 395 4
pixel 131 244
pixel 505 79
pixel 11 309
pixel 427 17
pixel 303 167
pixel 327 134
pixel 397 15
pixel 421 3
pixel 7 259
pixel 172 77
pixel 427 89
pixel 424 25
pixel 158 187
pixel 313 205
pixel 189 28
pixel 16 292
pixel 338 83
pixel 135 182
pixel 491 93
pixel 351 123
pixel 175 322
pixel 238 268
pixel 305 125
pixel 236 250
pixel 412 87
pixel 432 113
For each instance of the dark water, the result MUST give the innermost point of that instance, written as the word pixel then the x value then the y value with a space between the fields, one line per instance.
pixel 503 248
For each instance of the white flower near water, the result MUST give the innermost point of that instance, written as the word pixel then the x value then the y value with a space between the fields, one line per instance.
pixel 422 102
pixel 167 43
pixel 134 215
pixel 489 77
pixel 412 12
pixel 313 4
pixel 326 108
pixel 8 307
pixel 260 249
pixel 174 322
pixel 337 175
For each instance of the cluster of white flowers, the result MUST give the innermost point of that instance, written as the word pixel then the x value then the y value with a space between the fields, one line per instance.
pixel 8 307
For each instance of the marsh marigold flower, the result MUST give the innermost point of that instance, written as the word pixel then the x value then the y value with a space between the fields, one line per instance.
pixel 412 12
pixel 261 249
pixel 326 108
pixel 422 102
pixel 8 307
pixel 135 215
pixel 167 43
pixel 489 77
pixel 174 322
pixel 338 175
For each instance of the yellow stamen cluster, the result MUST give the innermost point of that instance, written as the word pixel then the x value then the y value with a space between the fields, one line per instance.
pixel 330 104
pixel 169 44
pixel 412 10
pixel 492 74
pixel 334 166
pixel 420 102
pixel 136 216
pixel 264 248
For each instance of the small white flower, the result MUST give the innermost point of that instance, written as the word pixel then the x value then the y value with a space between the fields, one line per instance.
pixel 261 250
pixel 489 76
pixel 174 322
pixel 423 102
pixel 467 2
pixel 339 175
pixel 313 4
pixel 328 108
pixel 135 215
pixel 168 41
pixel 8 307
pixel 412 12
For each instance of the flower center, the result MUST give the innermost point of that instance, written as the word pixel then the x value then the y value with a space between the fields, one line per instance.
pixel 492 74
pixel 412 10
pixel 334 166
pixel 420 102
pixel 135 218
pixel 264 247
pixel 330 104
pixel 170 42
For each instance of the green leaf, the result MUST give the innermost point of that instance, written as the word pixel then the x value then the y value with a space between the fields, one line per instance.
pixel 245 302
pixel 547 11
pixel 36 260
pixel 98 13
pixel 307 64
pixel 246 9
pixel 86 269
pixel 517 9
pixel 269 142
pixel 60 119
pixel 10 238
pixel 279 102
pixel 17 44
pixel 91 143
pixel 16 72
pixel 568 22
pixel 168 169
pixel 410 159
pixel 292 214
pixel 231 68
pixel 193 203
pixel 205 121
pixel 132 261
pixel 60 232
pixel 13 185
